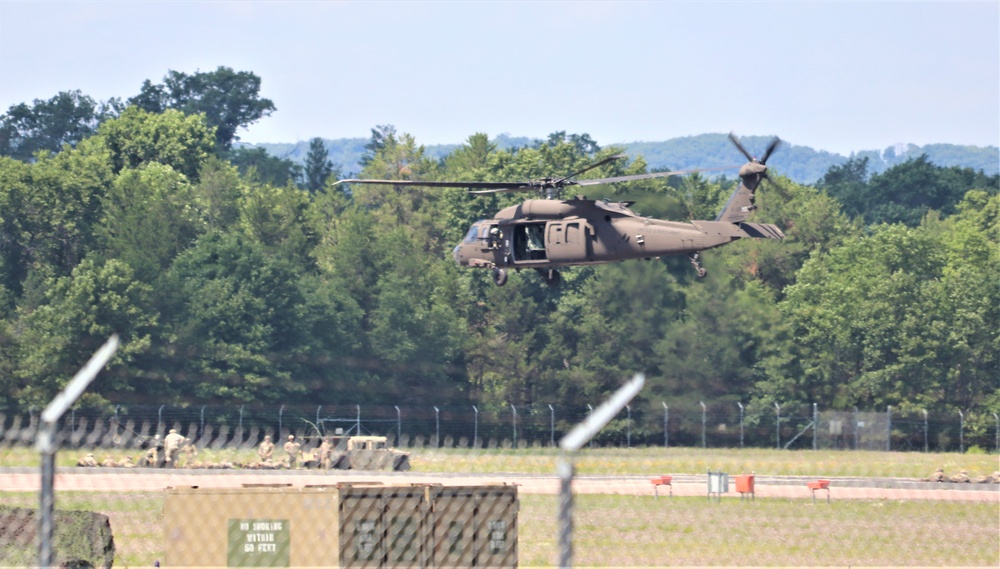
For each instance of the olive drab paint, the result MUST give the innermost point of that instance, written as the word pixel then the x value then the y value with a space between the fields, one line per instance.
pixel 549 234
pixel 343 525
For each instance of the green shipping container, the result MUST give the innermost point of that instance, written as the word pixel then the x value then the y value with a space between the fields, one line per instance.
pixel 342 526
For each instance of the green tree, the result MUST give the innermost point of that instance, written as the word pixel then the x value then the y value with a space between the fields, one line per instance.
pixel 48 211
pixel 257 165
pixel 80 312
pixel 138 137
pixel 229 99
pixel 885 319
pixel 318 168
pixel 234 316
pixel 45 126
pixel 381 134
pixel 151 215
pixel 905 192
pixel 848 184
pixel 276 218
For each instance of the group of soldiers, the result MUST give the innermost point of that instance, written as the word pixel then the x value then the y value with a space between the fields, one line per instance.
pixel 168 453
pixel 165 454
pixel 963 477
pixel 294 456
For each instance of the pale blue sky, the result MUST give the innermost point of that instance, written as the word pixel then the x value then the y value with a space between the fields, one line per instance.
pixel 836 76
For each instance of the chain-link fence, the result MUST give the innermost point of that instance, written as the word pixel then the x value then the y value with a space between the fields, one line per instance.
pixel 234 513
pixel 708 425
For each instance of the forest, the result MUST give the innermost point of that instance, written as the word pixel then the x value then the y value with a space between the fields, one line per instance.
pixel 236 277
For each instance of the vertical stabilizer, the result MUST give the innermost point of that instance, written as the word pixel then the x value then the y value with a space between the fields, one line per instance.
pixel 741 203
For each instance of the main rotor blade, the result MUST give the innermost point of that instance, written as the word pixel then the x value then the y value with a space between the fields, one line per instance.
pixel 511 186
pixel 770 148
pixel 591 167
pixel 736 141
pixel 631 177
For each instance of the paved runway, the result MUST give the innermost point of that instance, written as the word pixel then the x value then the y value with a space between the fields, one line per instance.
pixel 143 479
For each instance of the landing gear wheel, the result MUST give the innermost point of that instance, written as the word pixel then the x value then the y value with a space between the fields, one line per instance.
pixel 553 278
pixel 499 276
pixel 696 262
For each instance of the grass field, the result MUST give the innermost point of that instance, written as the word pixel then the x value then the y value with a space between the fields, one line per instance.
pixel 615 530
pixel 617 461
pixel 625 530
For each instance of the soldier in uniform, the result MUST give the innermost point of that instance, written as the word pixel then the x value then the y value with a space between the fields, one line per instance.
pixel 88 460
pixel 189 451
pixel 292 450
pixel 125 463
pixel 938 475
pixel 172 448
pixel 325 453
pixel 266 449
pixel 152 456
pixel 108 461
pixel 962 476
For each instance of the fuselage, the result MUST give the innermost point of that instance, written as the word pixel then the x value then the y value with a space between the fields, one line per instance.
pixel 557 233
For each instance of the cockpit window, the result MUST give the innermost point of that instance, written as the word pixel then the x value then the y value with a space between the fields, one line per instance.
pixel 472 234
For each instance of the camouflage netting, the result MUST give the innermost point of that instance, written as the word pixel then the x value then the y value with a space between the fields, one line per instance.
pixel 81 539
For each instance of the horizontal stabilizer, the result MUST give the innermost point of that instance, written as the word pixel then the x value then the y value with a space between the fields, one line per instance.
pixel 762 230
pixel 739 230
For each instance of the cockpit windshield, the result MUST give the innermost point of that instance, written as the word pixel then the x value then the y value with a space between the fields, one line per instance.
pixel 473 233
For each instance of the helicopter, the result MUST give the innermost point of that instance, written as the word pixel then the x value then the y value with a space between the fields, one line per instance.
pixel 552 233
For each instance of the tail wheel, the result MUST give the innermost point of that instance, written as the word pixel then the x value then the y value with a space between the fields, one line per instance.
pixel 499 276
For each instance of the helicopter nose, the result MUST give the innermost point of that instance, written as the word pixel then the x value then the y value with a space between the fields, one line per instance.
pixel 456 254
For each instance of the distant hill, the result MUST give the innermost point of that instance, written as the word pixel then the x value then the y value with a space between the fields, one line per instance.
pixel 800 163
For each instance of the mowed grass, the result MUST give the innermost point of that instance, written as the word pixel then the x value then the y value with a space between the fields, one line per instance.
pixel 616 530
pixel 645 461
pixel 618 461
pixel 622 531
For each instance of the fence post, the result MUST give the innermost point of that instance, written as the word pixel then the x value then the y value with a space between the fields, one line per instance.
pixel 888 440
pixel 702 403
pixel 741 423
pixel 570 444
pixel 777 426
pixel 475 428
pixel 666 420
pixel 961 431
pixel 514 422
pixel 281 411
pixel 159 419
pixel 357 425
pixel 997 447
pixel 926 445
pixel 815 423
pixel 590 411
pixel 552 426
pixel 857 435
pixel 399 425
pixel 47 446
pixel 628 426
pixel 437 427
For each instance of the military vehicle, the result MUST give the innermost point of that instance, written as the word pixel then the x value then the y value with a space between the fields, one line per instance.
pixel 360 453
pixel 548 234
pixel 373 453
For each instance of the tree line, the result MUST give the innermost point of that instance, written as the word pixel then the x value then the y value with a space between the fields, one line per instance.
pixel 234 277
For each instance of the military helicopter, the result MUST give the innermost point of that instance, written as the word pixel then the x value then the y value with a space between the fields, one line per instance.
pixel 547 234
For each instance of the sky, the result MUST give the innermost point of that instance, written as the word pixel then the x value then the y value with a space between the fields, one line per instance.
pixel 833 75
